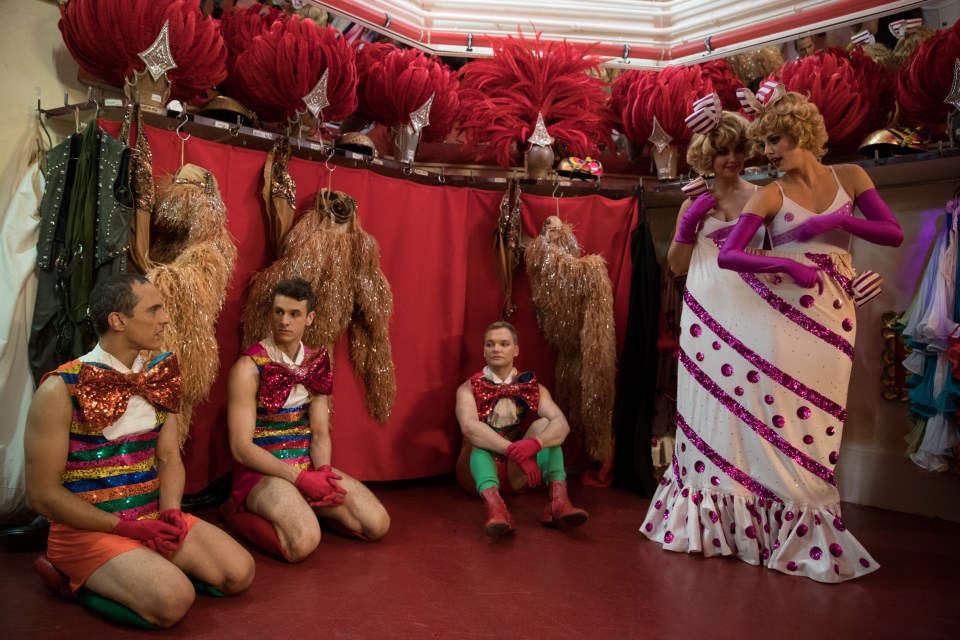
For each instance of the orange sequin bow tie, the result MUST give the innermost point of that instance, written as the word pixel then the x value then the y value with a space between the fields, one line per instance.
pixel 103 394
pixel 277 380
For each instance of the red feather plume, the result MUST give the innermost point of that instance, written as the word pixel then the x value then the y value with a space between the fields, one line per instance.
pixel 105 36
pixel 725 82
pixel 284 63
pixel 669 95
pixel 831 83
pixel 927 78
pixel 878 85
pixel 396 82
pixel 501 97
pixel 239 28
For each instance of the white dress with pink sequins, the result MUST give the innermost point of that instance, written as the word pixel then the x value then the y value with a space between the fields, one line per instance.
pixel 762 387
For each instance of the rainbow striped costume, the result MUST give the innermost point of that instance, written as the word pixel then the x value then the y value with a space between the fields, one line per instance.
pixel 118 476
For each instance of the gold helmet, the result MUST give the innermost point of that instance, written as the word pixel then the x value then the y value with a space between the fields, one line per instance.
pixel 227 109
pixel 893 142
pixel 356 142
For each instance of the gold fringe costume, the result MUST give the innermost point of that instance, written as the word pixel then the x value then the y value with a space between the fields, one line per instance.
pixel 328 248
pixel 192 256
pixel 573 300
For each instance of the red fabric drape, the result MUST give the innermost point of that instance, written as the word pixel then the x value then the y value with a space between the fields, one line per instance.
pixel 437 253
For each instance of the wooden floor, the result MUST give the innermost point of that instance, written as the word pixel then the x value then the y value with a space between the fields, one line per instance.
pixel 436 575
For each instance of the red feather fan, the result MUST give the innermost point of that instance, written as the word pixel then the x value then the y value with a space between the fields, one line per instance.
pixel 669 95
pixel 368 54
pixel 396 83
pixel 878 84
pixel 284 64
pixel 927 77
pixel 725 82
pixel 105 36
pixel 620 92
pixel 831 83
pixel 240 27
pixel 501 97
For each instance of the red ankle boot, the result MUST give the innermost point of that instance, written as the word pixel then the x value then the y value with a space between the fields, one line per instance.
pixel 53 578
pixel 560 510
pixel 499 522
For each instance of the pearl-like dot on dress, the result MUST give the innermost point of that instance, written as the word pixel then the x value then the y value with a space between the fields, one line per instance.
pixel 696 330
pixel 807 301
pixel 778 421
pixel 727 370
pixel 803 413
pixel 753 376
pixel 816 553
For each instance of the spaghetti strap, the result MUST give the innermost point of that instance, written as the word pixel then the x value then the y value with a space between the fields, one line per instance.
pixel 839 184
pixel 777 182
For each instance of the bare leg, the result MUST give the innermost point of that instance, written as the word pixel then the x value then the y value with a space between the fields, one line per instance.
pixel 211 555
pixel 360 512
pixel 282 505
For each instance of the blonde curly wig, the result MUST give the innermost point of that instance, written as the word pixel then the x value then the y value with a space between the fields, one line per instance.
pixel 795 116
pixel 731 131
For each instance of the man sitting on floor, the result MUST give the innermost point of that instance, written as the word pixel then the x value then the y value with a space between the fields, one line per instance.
pixel 491 406
pixel 103 465
pixel 278 415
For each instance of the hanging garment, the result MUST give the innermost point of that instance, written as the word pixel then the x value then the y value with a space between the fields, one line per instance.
pixel 193 257
pixel 328 248
pixel 763 377
pixel 279 193
pixel 573 300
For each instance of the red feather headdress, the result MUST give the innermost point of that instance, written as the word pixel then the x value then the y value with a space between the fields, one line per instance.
pixel 239 28
pixel 620 95
pixel 927 78
pixel 669 96
pixel 501 97
pixel 284 63
pixel 879 84
pixel 725 82
pixel 105 36
pixel 832 84
pixel 397 82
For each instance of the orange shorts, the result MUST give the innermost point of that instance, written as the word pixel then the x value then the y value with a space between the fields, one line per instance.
pixel 79 553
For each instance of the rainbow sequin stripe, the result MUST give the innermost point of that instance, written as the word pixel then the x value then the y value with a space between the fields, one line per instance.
pixel 285 433
pixel 118 476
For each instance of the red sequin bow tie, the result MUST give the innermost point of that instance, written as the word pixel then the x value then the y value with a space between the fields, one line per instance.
pixel 278 380
pixel 488 393
pixel 103 394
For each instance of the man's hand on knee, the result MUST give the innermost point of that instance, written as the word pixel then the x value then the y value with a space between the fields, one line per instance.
pixel 156 534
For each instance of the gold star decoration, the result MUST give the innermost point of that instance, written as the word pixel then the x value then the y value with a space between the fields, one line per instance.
pixel 953 98
pixel 158 56
pixel 316 100
pixel 659 137
pixel 421 117
pixel 540 136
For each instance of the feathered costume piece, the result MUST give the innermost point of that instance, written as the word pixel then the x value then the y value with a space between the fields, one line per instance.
pixel 878 82
pixel 753 66
pixel 105 36
pixel 401 81
pixel 328 248
pixel 669 96
pixel 724 80
pixel 927 78
pixel 240 27
pixel 279 193
pixel 620 96
pixel 286 62
pixel 368 55
pixel 193 256
pixel 831 82
pixel 501 97
pixel 573 300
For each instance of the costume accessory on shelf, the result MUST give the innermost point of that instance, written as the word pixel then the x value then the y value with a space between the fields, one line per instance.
pixel 873 68
pixel 695 187
pixel 192 257
pixel 732 255
pixel 356 142
pixel 560 511
pixel 499 522
pixel 928 86
pixel 227 109
pixel 278 380
pixel 620 99
pixel 755 65
pixel 322 241
pixel 580 168
pixel 103 393
pixel 239 28
pixel 573 300
pixel 693 216
pixel 725 82
pixel 706 114
pixel 501 98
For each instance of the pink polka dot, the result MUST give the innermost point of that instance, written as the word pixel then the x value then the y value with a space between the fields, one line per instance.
pixel 668 537
pixel 751 532
pixel 715 481
pixel 838 524
pixel 697 497
pixel 683 446
pixel 716 346
pixel 837 303
pixel 696 330
pixel 791 566
pixel 714 517
pixel 788 216
pixel 726 370
pixel 788 516
pixel 803 413
pixel 847 324
pixel 658 504
pixel 808 439
pixel 766 554
pixel 683 472
pixel 753 377
pixel 768 399
pixel 831 431
pixel 776 279
pixel 666 514
pixel 733 528
pixel 776 544
pixel 816 553
pixel 802 530
pixel 833 457
pixel 716 542
pixel 699 356
pixel 806 301
pixel 778 422
pixel 685 492
pixel 836 550
pixel 864 563
pixel 816 519
pixel 649 527
pixel 738 391
pixel 699 466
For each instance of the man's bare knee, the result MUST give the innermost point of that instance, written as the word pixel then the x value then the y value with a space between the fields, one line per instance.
pixel 300 543
pixel 238 575
pixel 378 526
pixel 169 605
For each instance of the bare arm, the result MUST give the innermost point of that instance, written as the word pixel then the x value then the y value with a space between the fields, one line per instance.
pixel 46 445
pixel 679 253
pixel 557 428
pixel 477 432
pixel 170 469
pixel 242 390
pixel 321 447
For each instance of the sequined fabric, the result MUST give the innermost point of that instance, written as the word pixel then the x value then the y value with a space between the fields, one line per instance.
pixel 525 392
pixel 277 380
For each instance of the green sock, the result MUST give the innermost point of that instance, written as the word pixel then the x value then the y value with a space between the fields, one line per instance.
pixel 205 588
pixel 550 461
pixel 484 469
pixel 112 610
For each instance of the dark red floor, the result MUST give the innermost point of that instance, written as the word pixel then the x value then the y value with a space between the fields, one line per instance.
pixel 436 575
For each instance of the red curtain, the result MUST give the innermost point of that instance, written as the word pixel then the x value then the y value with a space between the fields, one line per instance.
pixel 436 246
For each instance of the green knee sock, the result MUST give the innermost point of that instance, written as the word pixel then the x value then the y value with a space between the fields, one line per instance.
pixel 484 469
pixel 205 588
pixel 550 461
pixel 112 610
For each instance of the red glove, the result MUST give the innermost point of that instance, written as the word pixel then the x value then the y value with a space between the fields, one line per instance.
pixel 524 454
pixel 174 517
pixel 156 534
pixel 319 486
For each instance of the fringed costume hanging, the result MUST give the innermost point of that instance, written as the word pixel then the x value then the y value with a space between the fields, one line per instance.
pixel 279 193
pixel 193 257
pixel 328 248
pixel 573 299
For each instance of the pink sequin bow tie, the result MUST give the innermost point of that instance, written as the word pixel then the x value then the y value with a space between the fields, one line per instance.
pixel 278 380
pixel 487 394
pixel 103 394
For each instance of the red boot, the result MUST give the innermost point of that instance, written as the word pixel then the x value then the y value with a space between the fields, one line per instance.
pixel 560 510
pixel 499 522
pixel 53 578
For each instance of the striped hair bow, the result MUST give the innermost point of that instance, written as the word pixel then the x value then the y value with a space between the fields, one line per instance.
pixel 864 37
pixel 900 28
pixel 706 114
pixel 769 92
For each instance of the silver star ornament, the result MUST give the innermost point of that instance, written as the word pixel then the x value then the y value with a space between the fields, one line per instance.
pixel 421 117
pixel 540 136
pixel 316 100
pixel 953 98
pixel 658 137
pixel 157 56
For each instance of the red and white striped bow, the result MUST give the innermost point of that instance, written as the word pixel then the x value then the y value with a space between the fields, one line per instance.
pixel 769 92
pixel 864 37
pixel 694 188
pixel 706 114
pixel 900 28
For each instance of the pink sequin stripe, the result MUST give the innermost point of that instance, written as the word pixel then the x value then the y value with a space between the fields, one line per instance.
pixel 772 372
pixel 726 466
pixel 754 423
pixel 720 234
pixel 126 460
pixel 797 316
pixel 79 445
pixel 823 261
pixel 676 470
